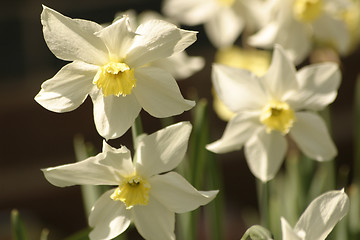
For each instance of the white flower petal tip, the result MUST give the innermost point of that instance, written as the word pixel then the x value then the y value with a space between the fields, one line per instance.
pixel 163 150
pixel 323 213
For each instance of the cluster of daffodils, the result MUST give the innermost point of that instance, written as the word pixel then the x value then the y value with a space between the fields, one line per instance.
pixel 121 69
pixel 270 105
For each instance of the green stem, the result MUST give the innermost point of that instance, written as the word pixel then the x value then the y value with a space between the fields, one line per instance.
pixel 356 178
pixel 263 198
pixel 136 130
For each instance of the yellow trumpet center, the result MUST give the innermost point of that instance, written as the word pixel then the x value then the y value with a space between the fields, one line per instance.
pixel 226 2
pixel 132 191
pixel 116 79
pixel 307 10
pixel 277 116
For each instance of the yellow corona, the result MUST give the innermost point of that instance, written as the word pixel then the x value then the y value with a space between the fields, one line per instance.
pixel 116 79
pixel 277 116
pixel 132 191
pixel 307 10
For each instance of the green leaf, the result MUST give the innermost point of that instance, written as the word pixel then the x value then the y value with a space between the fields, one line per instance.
pixel 18 226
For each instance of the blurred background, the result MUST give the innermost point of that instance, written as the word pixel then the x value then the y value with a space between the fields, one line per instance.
pixel 32 137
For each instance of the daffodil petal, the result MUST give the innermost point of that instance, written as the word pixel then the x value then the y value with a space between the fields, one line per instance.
pixel 287 232
pixel 281 76
pixel 157 39
pixel 238 89
pixel 114 115
pixel 224 27
pixel 265 153
pixel 312 137
pixel 239 129
pixel 177 194
pixel 158 93
pixel 163 150
pixel 180 65
pixel 265 37
pixel 86 172
pixel 190 12
pixel 109 218
pixel 118 38
pixel 73 39
pixel 318 87
pixel 323 214
pixel 332 30
pixel 68 89
pixel 154 221
pixel 119 159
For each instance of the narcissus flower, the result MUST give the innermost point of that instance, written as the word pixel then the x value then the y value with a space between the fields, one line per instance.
pixel 148 193
pixel 319 218
pixel 297 24
pixel 268 108
pixel 223 20
pixel 111 65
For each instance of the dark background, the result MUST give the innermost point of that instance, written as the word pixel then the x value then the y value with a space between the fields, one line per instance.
pixel 32 137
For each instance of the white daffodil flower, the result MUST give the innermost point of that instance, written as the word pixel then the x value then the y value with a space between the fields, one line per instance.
pixel 223 20
pixel 148 193
pixel 319 218
pixel 180 65
pixel 110 65
pixel 296 24
pixel 268 108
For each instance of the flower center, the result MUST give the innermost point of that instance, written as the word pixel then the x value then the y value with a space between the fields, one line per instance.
pixel 115 78
pixel 226 2
pixel 307 10
pixel 132 191
pixel 277 116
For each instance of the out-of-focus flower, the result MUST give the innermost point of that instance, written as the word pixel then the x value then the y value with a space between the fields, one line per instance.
pixel 179 65
pixel 281 102
pixel 256 61
pixel 110 65
pixel 319 218
pixel 148 193
pixel 351 16
pixel 297 24
pixel 223 20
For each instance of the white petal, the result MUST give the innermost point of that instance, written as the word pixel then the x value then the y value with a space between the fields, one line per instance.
pixel 332 30
pixel 154 221
pixel 114 115
pixel 265 153
pixel 177 194
pixel 158 93
pixel 73 39
pixel 86 172
pixel 118 38
pixel 238 89
pixel 163 150
pixel 68 89
pixel 280 78
pixel 180 65
pixel 287 232
pixel 266 37
pixel 157 39
pixel 224 27
pixel 312 137
pixel 108 217
pixel 119 159
pixel 323 214
pixel 318 87
pixel 239 129
pixel 190 12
